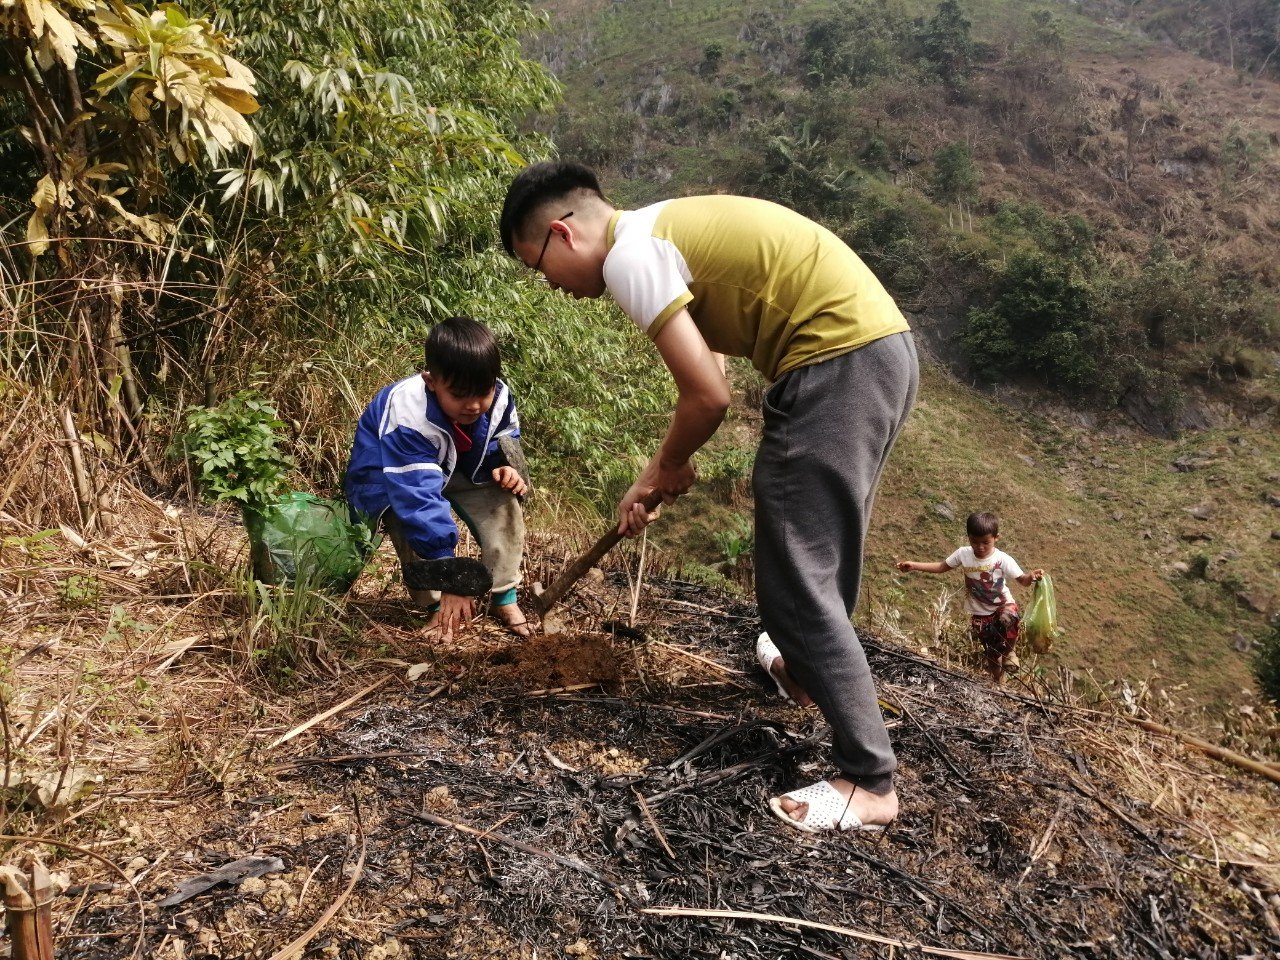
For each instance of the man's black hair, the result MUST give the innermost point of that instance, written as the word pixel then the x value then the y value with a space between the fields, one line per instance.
pixel 464 354
pixel 982 524
pixel 535 185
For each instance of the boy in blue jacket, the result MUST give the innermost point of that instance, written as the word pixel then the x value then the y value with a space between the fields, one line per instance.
pixel 444 440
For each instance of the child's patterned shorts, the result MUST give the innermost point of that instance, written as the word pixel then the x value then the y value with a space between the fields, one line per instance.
pixel 997 632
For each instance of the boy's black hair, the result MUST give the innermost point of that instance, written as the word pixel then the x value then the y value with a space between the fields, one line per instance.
pixel 464 354
pixel 982 524
pixel 535 185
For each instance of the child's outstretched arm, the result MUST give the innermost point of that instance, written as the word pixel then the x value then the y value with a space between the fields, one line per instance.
pixel 1027 579
pixel 910 566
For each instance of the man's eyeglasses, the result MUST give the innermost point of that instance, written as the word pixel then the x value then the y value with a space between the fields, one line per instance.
pixel 538 263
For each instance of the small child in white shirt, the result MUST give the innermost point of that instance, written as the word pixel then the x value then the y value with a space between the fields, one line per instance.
pixel 994 615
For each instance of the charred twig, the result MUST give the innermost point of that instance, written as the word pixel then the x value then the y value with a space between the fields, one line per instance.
pixel 653 823
pixel 943 755
pixel 1097 798
pixel 720 736
pixel 345 758
pixel 738 769
pixel 921 885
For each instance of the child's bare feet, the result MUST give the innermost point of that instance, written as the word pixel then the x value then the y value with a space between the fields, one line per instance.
pixel 994 665
pixel 872 810
pixel 513 620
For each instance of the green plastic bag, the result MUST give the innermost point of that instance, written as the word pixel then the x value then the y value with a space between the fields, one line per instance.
pixel 301 539
pixel 1040 625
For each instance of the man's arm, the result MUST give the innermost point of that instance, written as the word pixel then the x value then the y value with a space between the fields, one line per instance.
pixel 700 409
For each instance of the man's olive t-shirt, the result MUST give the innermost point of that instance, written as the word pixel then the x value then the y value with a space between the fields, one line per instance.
pixel 759 280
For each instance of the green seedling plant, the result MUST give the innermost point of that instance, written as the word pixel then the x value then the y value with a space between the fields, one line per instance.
pixel 737 542
pixel 79 590
pixel 236 448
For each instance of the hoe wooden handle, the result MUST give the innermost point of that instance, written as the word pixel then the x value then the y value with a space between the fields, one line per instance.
pixel 550 596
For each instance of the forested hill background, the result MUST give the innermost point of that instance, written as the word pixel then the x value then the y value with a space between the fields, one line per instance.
pixel 1063 194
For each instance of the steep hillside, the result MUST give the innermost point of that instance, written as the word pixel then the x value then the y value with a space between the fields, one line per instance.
pixel 1139 175
pixel 970 152
pixel 1162 552
pixel 598 793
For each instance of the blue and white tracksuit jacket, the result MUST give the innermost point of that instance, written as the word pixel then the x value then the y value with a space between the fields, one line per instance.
pixel 404 455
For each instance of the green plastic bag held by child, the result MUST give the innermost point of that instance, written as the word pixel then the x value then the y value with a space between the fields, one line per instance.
pixel 1040 625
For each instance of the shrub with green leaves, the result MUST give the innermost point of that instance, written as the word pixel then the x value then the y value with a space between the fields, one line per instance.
pixel 236 447
pixel 857 42
pixel 1039 318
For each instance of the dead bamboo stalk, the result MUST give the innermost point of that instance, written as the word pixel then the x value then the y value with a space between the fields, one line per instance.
pixel 1210 749
pixel 27 905
pixel 295 948
pixel 84 851
pixel 83 492
pixel 320 718
pixel 890 942
pixel 42 894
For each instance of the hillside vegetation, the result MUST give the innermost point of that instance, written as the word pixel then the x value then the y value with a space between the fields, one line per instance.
pixel 1052 196
pixel 1164 577
pixel 1066 207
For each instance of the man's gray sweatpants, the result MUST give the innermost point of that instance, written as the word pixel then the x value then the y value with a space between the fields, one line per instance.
pixel 828 430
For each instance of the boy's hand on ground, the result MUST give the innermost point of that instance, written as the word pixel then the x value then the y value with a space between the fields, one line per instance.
pixel 455 612
pixel 905 566
pixel 509 479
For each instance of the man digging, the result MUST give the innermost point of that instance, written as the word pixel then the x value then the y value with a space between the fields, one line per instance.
pixel 706 277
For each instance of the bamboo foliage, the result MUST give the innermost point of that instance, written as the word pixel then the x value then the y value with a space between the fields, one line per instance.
pixel 182 66
pixel 171 229
pixel 391 132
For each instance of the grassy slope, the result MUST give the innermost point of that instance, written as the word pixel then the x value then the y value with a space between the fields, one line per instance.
pixel 1104 514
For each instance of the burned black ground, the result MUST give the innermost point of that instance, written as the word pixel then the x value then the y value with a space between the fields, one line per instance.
pixel 536 801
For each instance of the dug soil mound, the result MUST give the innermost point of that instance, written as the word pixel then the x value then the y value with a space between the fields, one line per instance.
pixel 602 793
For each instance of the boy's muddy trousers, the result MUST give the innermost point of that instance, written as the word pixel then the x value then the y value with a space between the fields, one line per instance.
pixel 828 430
pixel 496 520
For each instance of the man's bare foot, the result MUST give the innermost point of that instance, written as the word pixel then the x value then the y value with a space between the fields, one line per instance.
pixel 778 670
pixel 513 620
pixel 770 659
pixel 872 809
